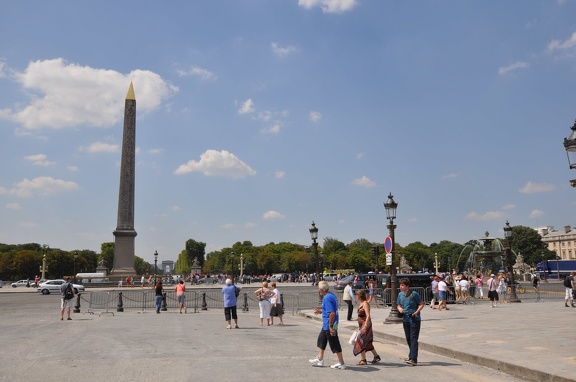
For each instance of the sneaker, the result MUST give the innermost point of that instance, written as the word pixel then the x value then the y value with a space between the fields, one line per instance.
pixel 411 362
pixel 317 362
pixel 228 327
pixel 338 365
pixel 236 327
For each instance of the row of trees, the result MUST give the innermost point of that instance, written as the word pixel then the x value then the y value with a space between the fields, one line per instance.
pixel 25 260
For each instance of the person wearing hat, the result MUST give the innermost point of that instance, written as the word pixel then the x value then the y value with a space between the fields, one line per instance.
pixel 492 293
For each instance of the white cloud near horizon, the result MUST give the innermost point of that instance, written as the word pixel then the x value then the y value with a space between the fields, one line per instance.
pixel 13 206
pixel 536 213
pixel 197 71
pixel 100 147
pixel 64 95
pixel 273 215
pixel 329 6
pixel 217 163
pixel 43 185
pixel 490 215
pixel 534 188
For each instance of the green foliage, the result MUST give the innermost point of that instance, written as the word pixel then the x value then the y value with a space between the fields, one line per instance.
pixel 528 242
pixel 195 250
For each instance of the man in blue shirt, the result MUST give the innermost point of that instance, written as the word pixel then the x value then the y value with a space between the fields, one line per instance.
pixel 229 292
pixel 410 305
pixel 329 332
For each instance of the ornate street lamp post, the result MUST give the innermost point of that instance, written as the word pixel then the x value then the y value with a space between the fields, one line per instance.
pixel 510 262
pixel 75 257
pixel 155 266
pixel 232 260
pixel 570 146
pixel 391 207
pixel 314 235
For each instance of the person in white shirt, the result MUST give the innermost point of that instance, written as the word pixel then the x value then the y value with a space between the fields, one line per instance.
pixel 349 299
pixel 442 291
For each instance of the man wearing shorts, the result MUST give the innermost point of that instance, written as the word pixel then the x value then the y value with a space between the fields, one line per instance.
pixel 64 302
pixel 329 332
pixel 492 293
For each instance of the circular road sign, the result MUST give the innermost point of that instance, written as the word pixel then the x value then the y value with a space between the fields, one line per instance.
pixel 388 244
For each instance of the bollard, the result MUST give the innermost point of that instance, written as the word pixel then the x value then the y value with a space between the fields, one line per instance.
pixel 204 305
pixel 164 306
pixel 77 306
pixel 245 305
pixel 120 305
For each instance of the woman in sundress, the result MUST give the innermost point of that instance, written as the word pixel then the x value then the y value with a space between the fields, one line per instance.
pixel 365 336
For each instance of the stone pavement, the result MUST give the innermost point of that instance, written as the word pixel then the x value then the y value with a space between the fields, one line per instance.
pixel 533 341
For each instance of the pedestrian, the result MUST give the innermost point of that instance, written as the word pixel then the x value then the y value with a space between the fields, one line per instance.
pixel 150 281
pixel 364 341
pixel 442 292
pixel 464 289
pixel 67 294
pixel 569 285
pixel 263 294
pixel 229 292
pixel 142 281
pixel 501 287
pixel 435 295
pixel 457 289
pixel 349 298
pixel 277 308
pixel 180 294
pixel 479 283
pixel 410 305
pixel 372 293
pixel 329 333
pixel 36 280
pixel 492 290
pixel 535 282
pixel 159 290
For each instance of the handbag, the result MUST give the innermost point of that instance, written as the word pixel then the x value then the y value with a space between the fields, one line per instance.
pixel 353 337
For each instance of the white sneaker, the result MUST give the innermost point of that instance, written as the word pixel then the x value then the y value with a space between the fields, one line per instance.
pixel 317 362
pixel 228 327
pixel 338 365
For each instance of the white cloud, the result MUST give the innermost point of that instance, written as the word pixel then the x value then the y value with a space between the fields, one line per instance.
pixel 315 116
pixel 250 225
pixel 364 182
pixel 452 175
pixel 274 129
pixel 155 151
pixel 279 174
pixel 508 206
pixel 329 6
pixel 490 215
pixel 196 71
pixel 247 107
pixel 273 215
pixel 217 163
pixel 42 186
pixel 566 44
pixel 281 51
pixel 39 160
pixel 534 188
pixel 66 95
pixel 534 214
pixel 72 168
pixel 100 147
pixel 228 226
pixel 503 70
pixel 13 206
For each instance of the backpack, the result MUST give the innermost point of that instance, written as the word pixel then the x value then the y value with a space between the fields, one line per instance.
pixel 568 282
pixel 68 294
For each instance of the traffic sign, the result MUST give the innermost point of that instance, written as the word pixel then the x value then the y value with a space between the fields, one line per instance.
pixel 388 244
pixel 388 259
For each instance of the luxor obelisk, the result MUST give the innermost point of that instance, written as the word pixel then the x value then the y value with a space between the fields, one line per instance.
pixel 124 235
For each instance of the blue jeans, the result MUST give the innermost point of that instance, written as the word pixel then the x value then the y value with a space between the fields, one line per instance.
pixel 412 332
pixel 158 302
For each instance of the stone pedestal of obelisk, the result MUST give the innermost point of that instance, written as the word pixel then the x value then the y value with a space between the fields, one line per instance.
pixel 124 235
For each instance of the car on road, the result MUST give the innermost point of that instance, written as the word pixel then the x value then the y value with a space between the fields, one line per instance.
pixel 329 276
pixel 53 286
pixel 341 284
pixel 20 283
pixel 208 281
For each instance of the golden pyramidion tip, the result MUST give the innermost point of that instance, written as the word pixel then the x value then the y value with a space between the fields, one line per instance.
pixel 130 94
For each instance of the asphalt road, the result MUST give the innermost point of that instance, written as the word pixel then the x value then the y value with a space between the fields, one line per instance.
pixel 140 346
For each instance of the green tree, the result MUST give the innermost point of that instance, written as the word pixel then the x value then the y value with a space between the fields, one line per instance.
pixel 195 250
pixel 528 242
pixel 107 254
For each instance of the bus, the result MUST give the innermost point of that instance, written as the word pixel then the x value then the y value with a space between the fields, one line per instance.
pixel 555 269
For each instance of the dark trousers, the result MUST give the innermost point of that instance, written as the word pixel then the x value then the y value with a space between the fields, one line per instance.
pixel 412 332
pixel 350 309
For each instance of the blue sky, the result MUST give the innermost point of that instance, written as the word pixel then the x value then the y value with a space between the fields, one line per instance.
pixel 256 117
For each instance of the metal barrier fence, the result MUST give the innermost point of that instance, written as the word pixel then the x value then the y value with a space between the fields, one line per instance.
pixel 144 300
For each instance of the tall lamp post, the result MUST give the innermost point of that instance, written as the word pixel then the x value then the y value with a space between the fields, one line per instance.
pixel 570 146
pixel 314 235
pixel 510 262
pixel 155 266
pixel 75 257
pixel 391 207
pixel 232 259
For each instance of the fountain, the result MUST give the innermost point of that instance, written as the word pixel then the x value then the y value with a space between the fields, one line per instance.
pixel 485 256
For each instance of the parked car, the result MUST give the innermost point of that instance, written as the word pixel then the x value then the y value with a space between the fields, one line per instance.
pixel 53 286
pixel 208 281
pixel 341 284
pixel 277 277
pixel 1 283
pixel 361 280
pixel 22 283
pixel 420 281
pixel 328 276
